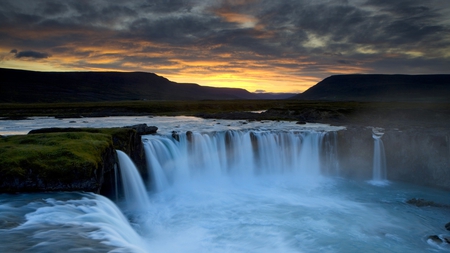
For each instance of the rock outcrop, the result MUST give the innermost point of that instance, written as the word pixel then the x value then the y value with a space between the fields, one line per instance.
pixel 414 155
pixel 55 162
pixel 68 159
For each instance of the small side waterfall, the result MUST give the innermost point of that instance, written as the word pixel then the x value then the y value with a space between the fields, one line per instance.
pixel 244 153
pixel 136 196
pixel 379 158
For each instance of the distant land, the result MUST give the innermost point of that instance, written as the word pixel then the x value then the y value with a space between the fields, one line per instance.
pixel 365 87
pixel 22 86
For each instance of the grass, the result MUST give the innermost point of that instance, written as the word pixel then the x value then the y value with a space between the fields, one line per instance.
pixel 61 156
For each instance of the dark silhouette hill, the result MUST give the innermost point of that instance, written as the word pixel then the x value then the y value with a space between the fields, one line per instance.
pixel 425 88
pixel 22 86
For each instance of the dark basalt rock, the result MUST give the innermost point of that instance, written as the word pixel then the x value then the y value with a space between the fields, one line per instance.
pixel 447 226
pixel 423 203
pixel 143 129
pixel 189 136
pixel 414 155
pixel 57 162
pixel 15 118
pixel 175 135
pixel 435 239
pixel 126 139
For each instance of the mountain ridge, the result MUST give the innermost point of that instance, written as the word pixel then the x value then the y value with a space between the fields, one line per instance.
pixel 24 86
pixel 380 87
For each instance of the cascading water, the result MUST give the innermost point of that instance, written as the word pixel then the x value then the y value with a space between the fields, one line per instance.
pixel 379 158
pixel 243 153
pixel 226 188
pixel 136 196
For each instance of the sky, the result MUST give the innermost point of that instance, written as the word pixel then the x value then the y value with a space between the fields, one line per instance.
pixel 258 45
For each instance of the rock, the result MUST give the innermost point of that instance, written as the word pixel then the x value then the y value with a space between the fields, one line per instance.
pixel 423 202
pixel 175 136
pixel 447 226
pixel 143 129
pixel 74 161
pixel 125 139
pixel 301 122
pixel 415 155
pixel 435 239
pixel 189 136
pixel 68 116
pixel 15 118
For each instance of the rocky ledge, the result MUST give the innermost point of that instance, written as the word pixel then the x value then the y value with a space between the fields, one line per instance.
pixel 67 159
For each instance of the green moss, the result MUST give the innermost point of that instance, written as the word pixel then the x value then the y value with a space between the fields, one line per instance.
pixel 61 156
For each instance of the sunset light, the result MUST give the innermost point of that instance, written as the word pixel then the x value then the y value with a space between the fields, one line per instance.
pixel 271 46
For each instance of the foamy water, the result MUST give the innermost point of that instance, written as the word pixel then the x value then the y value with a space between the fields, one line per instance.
pixel 231 186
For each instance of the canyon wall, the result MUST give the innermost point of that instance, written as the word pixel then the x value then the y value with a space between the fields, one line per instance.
pixel 414 155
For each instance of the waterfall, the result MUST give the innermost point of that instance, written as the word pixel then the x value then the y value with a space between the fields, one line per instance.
pixel 135 193
pixel 379 158
pixel 244 153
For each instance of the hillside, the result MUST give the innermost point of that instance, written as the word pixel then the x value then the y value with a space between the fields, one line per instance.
pixel 21 86
pixel 419 88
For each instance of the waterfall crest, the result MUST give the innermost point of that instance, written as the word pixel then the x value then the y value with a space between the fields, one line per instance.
pixel 243 153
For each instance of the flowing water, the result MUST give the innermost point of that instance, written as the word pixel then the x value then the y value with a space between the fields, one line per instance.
pixel 379 159
pixel 242 189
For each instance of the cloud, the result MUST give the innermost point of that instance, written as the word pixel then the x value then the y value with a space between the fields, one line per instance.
pixel 283 40
pixel 30 54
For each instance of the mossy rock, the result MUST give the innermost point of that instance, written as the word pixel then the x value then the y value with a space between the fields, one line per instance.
pixel 120 136
pixel 53 161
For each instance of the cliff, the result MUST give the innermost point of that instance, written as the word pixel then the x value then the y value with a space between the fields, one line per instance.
pixel 55 162
pixel 68 159
pixel 84 159
pixel 414 155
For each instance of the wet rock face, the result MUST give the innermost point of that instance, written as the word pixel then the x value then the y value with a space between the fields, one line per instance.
pixel 419 156
pixel 355 152
pixel 58 168
pixel 143 129
pixel 89 176
pixel 415 155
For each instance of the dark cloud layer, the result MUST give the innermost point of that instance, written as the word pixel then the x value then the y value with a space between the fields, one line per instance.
pixel 290 40
pixel 30 54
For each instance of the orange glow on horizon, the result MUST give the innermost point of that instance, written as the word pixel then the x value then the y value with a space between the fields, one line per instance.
pixel 250 72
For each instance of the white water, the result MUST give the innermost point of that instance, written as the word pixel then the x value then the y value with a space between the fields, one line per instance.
pixel 379 159
pixel 229 194
pixel 136 196
pixel 231 153
pixel 65 222
pixel 267 214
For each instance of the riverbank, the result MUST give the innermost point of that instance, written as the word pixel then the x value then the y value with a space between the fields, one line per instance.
pixel 380 114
